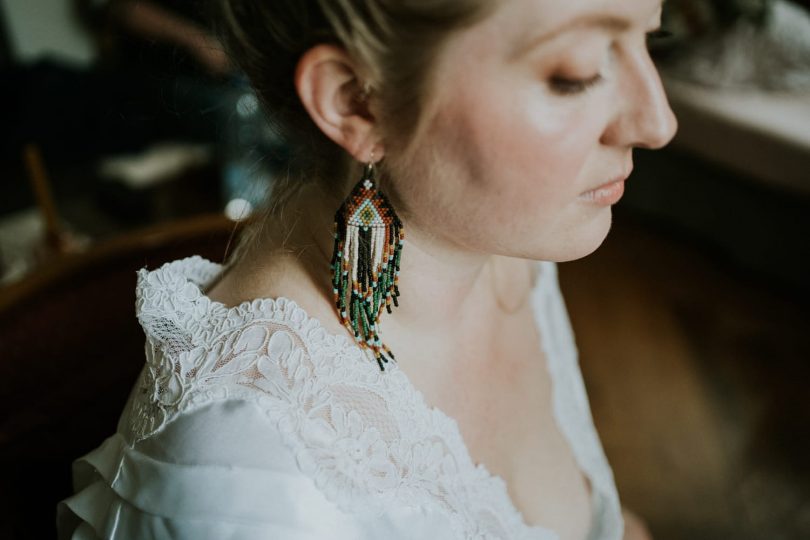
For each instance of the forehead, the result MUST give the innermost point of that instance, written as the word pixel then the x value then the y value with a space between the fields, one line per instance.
pixel 533 22
pixel 552 13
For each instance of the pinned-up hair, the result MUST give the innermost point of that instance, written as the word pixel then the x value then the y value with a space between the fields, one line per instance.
pixel 393 42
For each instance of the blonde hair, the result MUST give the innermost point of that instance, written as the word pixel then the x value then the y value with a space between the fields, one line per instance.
pixel 393 41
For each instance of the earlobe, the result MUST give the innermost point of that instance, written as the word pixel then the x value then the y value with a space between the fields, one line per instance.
pixel 327 84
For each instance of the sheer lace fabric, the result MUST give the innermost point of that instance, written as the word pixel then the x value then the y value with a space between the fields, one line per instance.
pixel 255 422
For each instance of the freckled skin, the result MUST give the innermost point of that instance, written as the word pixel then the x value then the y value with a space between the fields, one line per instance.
pixel 500 160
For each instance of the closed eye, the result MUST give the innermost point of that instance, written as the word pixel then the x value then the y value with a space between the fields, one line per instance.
pixel 562 86
pixel 567 87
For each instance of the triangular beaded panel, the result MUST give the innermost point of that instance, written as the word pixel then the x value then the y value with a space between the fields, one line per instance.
pixel 366 209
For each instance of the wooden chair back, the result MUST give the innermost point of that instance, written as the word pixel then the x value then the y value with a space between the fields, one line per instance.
pixel 70 350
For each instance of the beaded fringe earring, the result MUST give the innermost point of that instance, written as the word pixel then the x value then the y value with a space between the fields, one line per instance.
pixel 368 243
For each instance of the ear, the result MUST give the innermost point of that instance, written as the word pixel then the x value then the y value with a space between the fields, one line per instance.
pixel 329 87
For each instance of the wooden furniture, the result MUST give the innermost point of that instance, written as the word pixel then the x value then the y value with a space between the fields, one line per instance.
pixel 70 349
pixel 697 378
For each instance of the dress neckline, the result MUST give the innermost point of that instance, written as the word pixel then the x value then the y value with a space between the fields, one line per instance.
pixel 199 272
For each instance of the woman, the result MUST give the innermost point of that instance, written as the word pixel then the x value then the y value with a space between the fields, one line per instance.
pixel 337 380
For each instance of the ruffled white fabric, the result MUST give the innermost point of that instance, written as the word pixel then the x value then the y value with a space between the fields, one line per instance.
pixel 255 422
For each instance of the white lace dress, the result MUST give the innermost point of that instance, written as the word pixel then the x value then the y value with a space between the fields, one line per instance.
pixel 254 422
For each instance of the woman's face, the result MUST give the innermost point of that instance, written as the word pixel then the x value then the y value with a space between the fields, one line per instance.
pixel 512 143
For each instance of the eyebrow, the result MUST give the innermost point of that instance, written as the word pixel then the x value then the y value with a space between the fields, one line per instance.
pixel 612 23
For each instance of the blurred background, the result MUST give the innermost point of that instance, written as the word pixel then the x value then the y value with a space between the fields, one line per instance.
pixel 128 140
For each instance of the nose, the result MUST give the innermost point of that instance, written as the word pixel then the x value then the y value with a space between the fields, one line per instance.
pixel 644 118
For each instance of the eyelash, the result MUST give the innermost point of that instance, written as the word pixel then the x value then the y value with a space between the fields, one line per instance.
pixel 567 87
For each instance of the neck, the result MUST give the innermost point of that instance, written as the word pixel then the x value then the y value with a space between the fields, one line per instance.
pixel 443 288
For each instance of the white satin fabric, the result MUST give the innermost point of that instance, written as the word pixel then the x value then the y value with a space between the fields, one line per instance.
pixel 254 422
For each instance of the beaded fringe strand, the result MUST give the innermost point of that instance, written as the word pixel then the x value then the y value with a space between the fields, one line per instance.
pixel 368 243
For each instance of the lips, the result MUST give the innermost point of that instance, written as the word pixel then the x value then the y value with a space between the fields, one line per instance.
pixel 608 193
pixel 620 178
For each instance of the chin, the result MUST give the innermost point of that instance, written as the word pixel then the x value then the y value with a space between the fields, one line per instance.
pixel 583 240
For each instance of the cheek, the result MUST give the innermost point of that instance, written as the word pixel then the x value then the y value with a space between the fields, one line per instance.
pixel 519 148
pixel 499 167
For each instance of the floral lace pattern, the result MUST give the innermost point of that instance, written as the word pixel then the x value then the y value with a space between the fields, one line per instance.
pixel 367 438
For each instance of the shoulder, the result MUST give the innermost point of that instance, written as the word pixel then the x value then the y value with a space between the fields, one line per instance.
pixel 316 388
pixel 198 350
pixel 262 396
pixel 262 384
